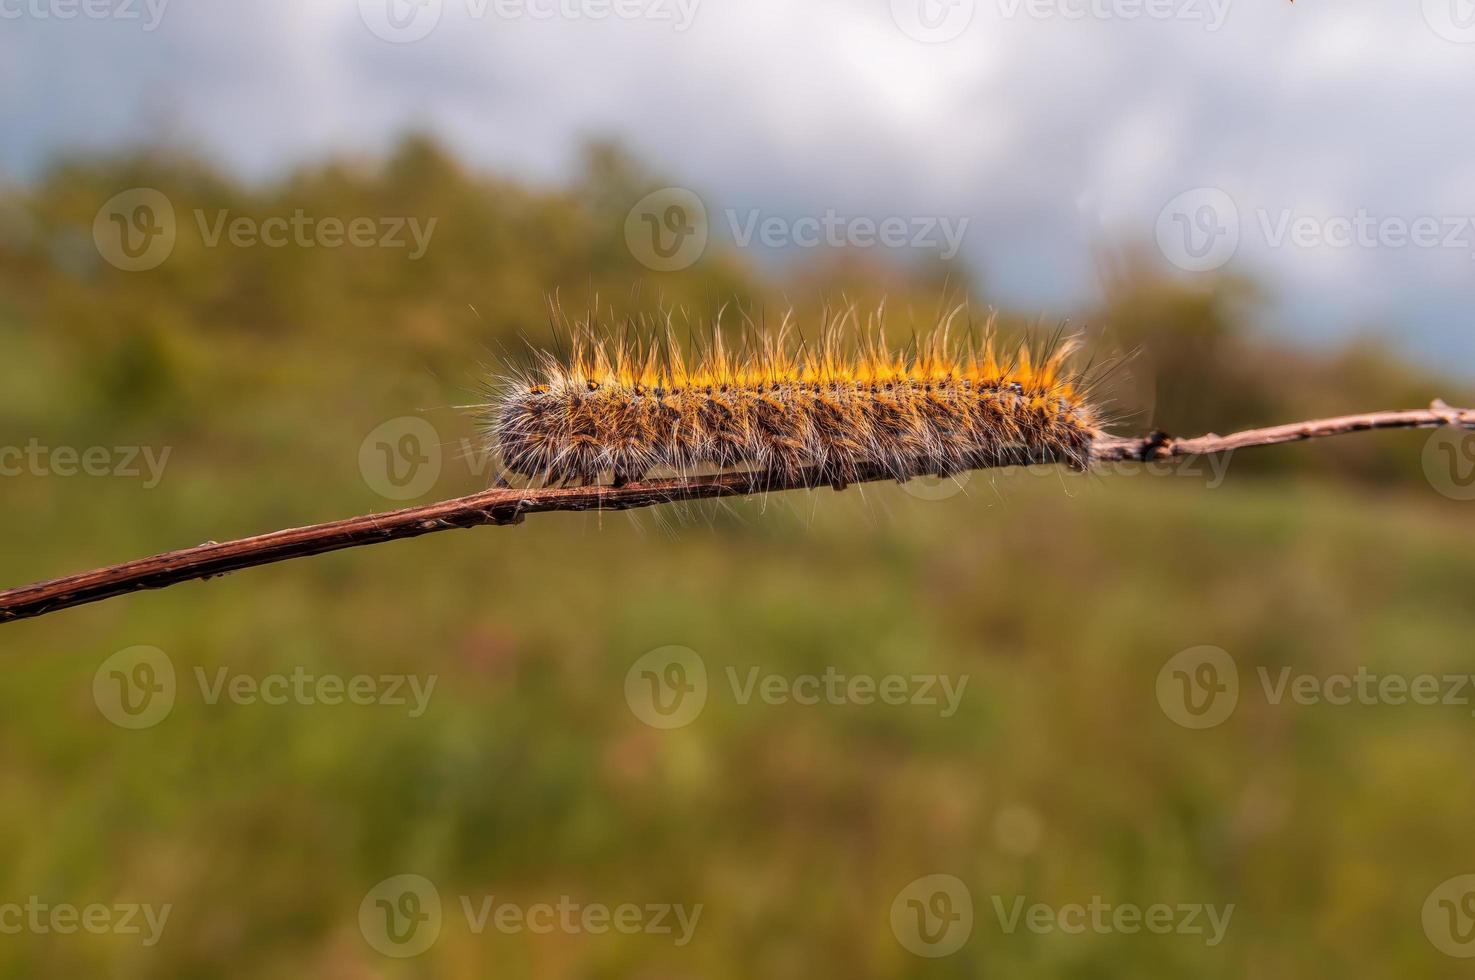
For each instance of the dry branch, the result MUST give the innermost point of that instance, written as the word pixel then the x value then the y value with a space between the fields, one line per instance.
pixel 510 506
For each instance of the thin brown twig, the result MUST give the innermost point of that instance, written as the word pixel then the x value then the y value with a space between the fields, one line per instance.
pixel 511 505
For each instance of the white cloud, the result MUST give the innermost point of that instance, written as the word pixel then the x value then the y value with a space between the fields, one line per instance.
pixel 1044 130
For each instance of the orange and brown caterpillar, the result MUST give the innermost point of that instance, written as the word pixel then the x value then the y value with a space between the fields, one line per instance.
pixel 827 412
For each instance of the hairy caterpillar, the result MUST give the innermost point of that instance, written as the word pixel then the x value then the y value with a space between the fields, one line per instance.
pixel 823 412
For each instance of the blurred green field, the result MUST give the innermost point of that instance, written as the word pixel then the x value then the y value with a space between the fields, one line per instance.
pixel 530 776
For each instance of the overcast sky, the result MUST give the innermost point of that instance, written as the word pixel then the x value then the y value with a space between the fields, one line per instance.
pixel 1326 147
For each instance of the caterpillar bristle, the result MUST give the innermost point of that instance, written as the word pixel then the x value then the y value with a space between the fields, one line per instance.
pixel 833 409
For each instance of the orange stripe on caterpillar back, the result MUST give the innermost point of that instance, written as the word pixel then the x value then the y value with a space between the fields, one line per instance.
pixel 830 412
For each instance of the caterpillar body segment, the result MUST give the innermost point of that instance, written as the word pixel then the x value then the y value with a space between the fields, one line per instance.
pixel 819 415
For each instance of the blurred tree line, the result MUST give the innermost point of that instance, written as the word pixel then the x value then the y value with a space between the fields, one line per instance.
pixel 216 322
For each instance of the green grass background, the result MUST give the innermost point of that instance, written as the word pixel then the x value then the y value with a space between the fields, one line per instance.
pixel 528 778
